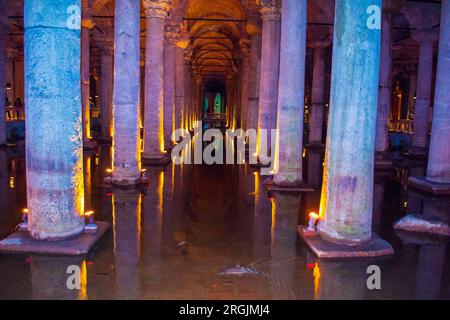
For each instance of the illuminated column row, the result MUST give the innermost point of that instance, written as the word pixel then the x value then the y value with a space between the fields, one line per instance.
pixel 106 92
pixel 156 12
pixel 291 94
pixel 54 147
pixel 347 191
pixel 126 155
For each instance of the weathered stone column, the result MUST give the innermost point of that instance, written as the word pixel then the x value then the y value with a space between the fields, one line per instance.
pixel 156 12
pixel 438 169
pixel 171 36
pixel 87 24
pixel 291 93
pixel 426 40
pixel 126 156
pixel 347 191
pixel 54 147
pixel 180 67
pixel 318 92
pixel 10 55
pixel 3 33
pixel 106 61
pixel 270 60
pixel 255 71
pixel 245 45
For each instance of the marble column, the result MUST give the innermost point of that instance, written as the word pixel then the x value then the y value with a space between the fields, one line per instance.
pixel 270 60
pixel 54 145
pixel 10 55
pixel 171 36
pixel 347 191
pixel 255 71
pixel 291 93
pixel 426 41
pixel 126 151
pixel 384 87
pixel 245 45
pixel 3 33
pixel 87 24
pixel 180 70
pixel 438 169
pixel 106 61
pixel 318 92
pixel 156 13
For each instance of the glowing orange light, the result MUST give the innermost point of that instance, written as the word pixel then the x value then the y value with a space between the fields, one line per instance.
pixel 109 170
pixel 25 211
pixel 89 213
pixel 314 215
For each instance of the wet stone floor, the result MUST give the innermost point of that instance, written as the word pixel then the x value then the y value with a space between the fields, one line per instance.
pixel 186 234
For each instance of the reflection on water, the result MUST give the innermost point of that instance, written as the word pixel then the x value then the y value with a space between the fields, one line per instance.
pixel 173 239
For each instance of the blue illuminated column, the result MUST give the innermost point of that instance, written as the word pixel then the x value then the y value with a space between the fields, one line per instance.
pixel 126 155
pixel 347 191
pixel 438 169
pixel 291 93
pixel 54 144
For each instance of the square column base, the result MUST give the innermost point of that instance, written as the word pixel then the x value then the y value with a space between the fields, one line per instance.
pixel 419 223
pixel 422 184
pixel 157 162
pixel 376 247
pixel 271 187
pixel 126 184
pixel 22 243
pixel 417 153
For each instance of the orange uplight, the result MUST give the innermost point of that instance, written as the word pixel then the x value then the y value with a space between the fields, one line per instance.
pixel 25 211
pixel 314 215
pixel 109 170
pixel 89 213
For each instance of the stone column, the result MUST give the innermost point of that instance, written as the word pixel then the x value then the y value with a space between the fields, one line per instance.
pixel 426 40
pixel 347 191
pixel 3 33
pixel 180 67
pixel 156 12
pixel 107 47
pixel 438 169
pixel 10 55
pixel 255 71
pixel 87 24
pixel 291 94
pixel 126 155
pixel 270 60
pixel 384 87
pixel 245 45
pixel 54 147
pixel 188 87
pixel 171 36
pixel 318 92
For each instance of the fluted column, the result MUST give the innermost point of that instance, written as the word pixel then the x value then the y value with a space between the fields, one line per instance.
pixel 318 92
pixel 87 24
pixel 171 35
pixel 291 93
pixel 426 41
pixel 270 59
pixel 54 148
pixel 156 13
pixel 106 61
pixel 347 192
pixel 438 169
pixel 126 156
pixel 3 33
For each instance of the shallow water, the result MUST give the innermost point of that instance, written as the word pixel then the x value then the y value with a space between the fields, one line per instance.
pixel 173 240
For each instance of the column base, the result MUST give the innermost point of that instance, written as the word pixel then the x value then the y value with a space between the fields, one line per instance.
pixel 22 243
pixel 376 247
pixel 271 187
pixel 435 188
pixel 419 223
pixel 162 161
pixel 417 153
pixel 383 161
pixel 125 184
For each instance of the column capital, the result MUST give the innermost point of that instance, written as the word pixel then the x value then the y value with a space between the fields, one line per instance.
pixel 87 22
pixel 269 9
pixel 426 35
pixel 172 32
pixel 10 54
pixel 245 46
pixel 157 8
pixel 188 54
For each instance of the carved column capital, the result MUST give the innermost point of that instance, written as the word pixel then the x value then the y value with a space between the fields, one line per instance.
pixel 245 46
pixel 172 33
pixel 270 10
pixel 157 8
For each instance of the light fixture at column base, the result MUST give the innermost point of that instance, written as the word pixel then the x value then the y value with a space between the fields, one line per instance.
pixel 376 247
pixel 162 161
pixel 22 243
pixel 436 188
pixel 270 186
pixel 420 223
